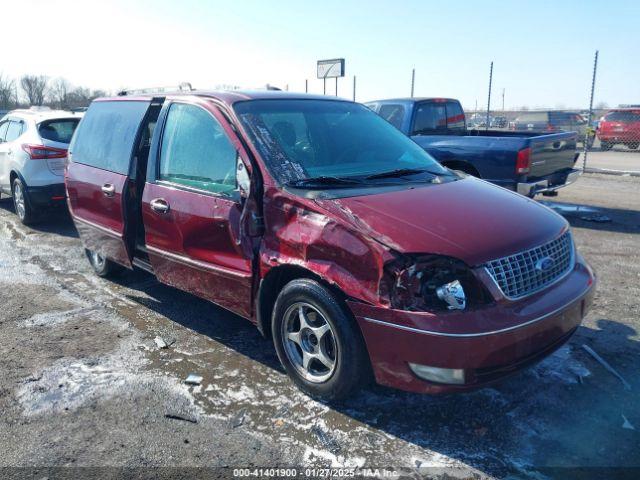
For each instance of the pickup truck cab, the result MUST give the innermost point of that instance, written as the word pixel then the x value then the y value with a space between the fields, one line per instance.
pixel 526 162
pixel 332 232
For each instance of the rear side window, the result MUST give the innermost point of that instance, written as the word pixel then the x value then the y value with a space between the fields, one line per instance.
pixel 14 131
pixel 392 114
pixel 196 152
pixel 60 130
pixel 106 134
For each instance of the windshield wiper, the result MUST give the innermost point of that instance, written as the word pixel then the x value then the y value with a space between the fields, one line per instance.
pixel 398 172
pixel 323 180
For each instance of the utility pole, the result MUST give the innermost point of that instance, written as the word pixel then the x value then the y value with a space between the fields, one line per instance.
pixel 503 100
pixel 593 86
pixel 336 86
pixel 489 96
pixel 413 80
pixel 306 85
pixel 354 88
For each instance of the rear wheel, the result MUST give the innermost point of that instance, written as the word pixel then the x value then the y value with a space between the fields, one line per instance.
pixel 317 341
pixel 633 145
pixel 21 202
pixel 606 146
pixel 101 265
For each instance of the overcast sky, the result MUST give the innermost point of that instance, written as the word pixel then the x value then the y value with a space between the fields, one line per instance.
pixel 542 50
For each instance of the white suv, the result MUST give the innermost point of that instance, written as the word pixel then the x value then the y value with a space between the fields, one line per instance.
pixel 33 152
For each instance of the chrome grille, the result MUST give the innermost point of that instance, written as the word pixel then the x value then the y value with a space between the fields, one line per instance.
pixel 522 274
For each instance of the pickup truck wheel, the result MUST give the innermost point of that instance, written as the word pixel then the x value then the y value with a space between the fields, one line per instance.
pixel 101 265
pixel 21 203
pixel 317 341
pixel 605 146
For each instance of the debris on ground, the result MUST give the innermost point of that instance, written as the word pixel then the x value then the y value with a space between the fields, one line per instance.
pixel 175 416
pixel 627 424
pixel 238 419
pixel 606 365
pixel 162 343
pixel 193 379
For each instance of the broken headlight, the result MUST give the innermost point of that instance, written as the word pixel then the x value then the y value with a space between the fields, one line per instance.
pixel 432 283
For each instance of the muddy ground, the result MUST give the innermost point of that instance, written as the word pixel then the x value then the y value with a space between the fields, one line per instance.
pixel 82 382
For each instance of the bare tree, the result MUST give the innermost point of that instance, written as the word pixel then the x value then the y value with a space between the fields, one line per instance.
pixel 8 98
pixel 602 106
pixel 34 87
pixel 59 93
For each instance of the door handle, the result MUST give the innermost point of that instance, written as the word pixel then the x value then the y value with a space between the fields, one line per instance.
pixel 108 189
pixel 159 205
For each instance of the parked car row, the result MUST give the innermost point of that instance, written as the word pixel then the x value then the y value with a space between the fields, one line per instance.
pixel 334 233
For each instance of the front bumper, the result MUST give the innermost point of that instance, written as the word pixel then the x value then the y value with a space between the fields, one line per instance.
pixel 489 344
pixel 47 196
pixel 541 186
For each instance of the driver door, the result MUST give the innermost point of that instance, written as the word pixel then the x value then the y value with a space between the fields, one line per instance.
pixel 191 209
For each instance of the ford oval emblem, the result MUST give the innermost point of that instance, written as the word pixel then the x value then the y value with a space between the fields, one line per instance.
pixel 545 264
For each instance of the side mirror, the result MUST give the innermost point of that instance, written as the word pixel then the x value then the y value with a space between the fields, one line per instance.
pixel 242 178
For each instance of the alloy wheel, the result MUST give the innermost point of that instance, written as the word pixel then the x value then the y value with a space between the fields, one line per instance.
pixel 309 342
pixel 97 260
pixel 18 200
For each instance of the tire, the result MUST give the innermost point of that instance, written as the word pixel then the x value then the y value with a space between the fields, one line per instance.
pixel 590 141
pixel 103 267
pixel 606 146
pixel 21 203
pixel 633 145
pixel 337 361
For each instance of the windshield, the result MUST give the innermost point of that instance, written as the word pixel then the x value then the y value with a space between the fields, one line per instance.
pixel 302 139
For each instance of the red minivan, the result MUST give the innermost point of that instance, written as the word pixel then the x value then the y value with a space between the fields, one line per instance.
pixel 335 234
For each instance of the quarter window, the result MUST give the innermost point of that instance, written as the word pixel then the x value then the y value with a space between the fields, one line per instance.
pixel 196 151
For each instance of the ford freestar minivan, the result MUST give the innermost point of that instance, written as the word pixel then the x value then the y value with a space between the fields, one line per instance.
pixel 331 231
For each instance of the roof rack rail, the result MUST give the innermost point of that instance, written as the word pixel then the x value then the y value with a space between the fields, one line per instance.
pixel 182 87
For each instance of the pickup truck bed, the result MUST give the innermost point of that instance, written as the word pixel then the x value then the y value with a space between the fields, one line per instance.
pixel 526 162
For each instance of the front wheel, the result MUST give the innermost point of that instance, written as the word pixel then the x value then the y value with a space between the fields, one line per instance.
pixel 318 342
pixel 21 203
pixel 103 267
pixel 605 146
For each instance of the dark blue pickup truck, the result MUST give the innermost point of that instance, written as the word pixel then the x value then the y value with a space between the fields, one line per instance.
pixel 526 162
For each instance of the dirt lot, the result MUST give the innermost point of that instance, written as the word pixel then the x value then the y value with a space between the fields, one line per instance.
pixel 82 382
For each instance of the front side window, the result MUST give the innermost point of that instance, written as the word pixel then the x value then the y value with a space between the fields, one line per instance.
pixel 304 139
pixel 392 114
pixel 196 151
pixel 3 130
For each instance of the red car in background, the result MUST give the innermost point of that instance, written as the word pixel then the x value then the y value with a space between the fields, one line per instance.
pixel 621 125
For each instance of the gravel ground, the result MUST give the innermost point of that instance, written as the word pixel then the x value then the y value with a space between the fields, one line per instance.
pixel 83 384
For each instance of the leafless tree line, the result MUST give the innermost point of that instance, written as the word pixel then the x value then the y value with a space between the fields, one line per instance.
pixel 32 90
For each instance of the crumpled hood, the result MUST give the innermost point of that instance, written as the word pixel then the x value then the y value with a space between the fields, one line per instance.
pixel 468 219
